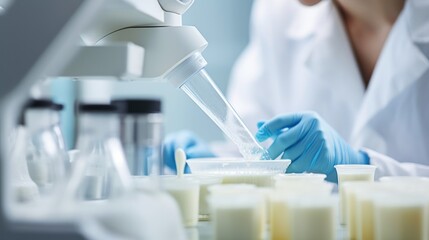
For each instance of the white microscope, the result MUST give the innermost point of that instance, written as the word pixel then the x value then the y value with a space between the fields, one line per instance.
pixel 109 40
pixel 86 39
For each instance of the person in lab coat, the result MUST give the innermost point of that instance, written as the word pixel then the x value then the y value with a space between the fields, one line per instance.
pixel 340 82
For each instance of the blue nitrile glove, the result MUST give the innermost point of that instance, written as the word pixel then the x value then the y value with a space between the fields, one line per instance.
pixel 311 144
pixel 189 142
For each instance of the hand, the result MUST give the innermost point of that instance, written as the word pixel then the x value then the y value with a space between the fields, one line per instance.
pixel 189 142
pixel 311 144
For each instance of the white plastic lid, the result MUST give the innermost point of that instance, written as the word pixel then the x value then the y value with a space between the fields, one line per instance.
pixel 180 74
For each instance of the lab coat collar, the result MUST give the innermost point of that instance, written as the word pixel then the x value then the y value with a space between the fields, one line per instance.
pixel 330 58
pixel 403 60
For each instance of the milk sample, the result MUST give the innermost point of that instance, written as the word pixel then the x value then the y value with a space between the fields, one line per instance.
pixel 205 183
pixel 279 217
pixel 349 173
pixel 186 193
pixel 236 217
pixel 312 218
pixel 258 179
pixel 399 217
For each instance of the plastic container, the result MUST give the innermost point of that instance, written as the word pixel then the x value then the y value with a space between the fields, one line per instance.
pixel 399 216
pixel 186 192
pixel 236 217
pixel 237 170
pixel 47 159
pixel 205 182
pixel 312 218
pixel 348 173
pixel 95 155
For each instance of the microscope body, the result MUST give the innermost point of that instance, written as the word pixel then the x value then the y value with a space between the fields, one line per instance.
pixel 84 40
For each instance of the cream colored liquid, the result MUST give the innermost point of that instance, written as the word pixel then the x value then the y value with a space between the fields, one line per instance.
pixel 399 222
pixel 204 208
pixel 279 219
pixel 260 180
pixel 236 223
pixel 187 199
pixel 312 222
pixel 343 178
pixel 365 218
pixel 351 213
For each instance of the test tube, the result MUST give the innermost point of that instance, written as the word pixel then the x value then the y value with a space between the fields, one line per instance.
pixel 204 92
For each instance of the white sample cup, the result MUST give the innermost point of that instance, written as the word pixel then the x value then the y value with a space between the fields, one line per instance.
pixel 236 217
pixel 350 193
pixel 186 193
pixel 312 218
pixel 281 198
pixel 349 173
pixel 399 216
pixel 205 183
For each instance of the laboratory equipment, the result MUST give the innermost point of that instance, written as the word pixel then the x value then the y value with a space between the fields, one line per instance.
pixel 204 92
pixel 47 160
pixel 84 39
pixel 97 182
pixel 141 134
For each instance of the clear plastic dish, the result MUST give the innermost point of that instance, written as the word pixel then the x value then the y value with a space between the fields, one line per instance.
pixel 215 166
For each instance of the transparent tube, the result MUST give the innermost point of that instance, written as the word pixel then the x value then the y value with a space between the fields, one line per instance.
pixel 204 92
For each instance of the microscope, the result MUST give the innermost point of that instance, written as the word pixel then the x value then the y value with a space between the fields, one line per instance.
pixel 84 39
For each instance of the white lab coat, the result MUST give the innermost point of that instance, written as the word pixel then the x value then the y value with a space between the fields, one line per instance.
pixel 299 58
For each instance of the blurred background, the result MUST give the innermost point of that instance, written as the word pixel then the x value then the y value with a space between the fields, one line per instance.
pixel 225 25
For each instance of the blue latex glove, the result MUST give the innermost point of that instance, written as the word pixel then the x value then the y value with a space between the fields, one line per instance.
pixel 311 144
pixel 189 142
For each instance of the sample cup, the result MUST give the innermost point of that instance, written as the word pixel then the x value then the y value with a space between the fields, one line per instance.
pixel 349 173
pixel 399 216
pixel 236 217
pixel 186 193
pixel 365 210
pixel 350 192
pixel 205 183
pixel 279 203
pixel 312 218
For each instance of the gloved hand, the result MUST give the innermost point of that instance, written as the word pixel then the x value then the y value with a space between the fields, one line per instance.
pixel 189 142
pixel 311 144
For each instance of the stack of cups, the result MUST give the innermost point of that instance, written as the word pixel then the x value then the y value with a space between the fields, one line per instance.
pixel 395 208
pixel 302 207
pixel 351 173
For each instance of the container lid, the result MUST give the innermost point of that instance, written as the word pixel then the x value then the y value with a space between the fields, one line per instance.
pixel 43 104
pixel 138 106
pixel 97 108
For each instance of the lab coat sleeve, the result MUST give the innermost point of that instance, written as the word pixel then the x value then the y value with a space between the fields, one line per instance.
pixel 387 166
